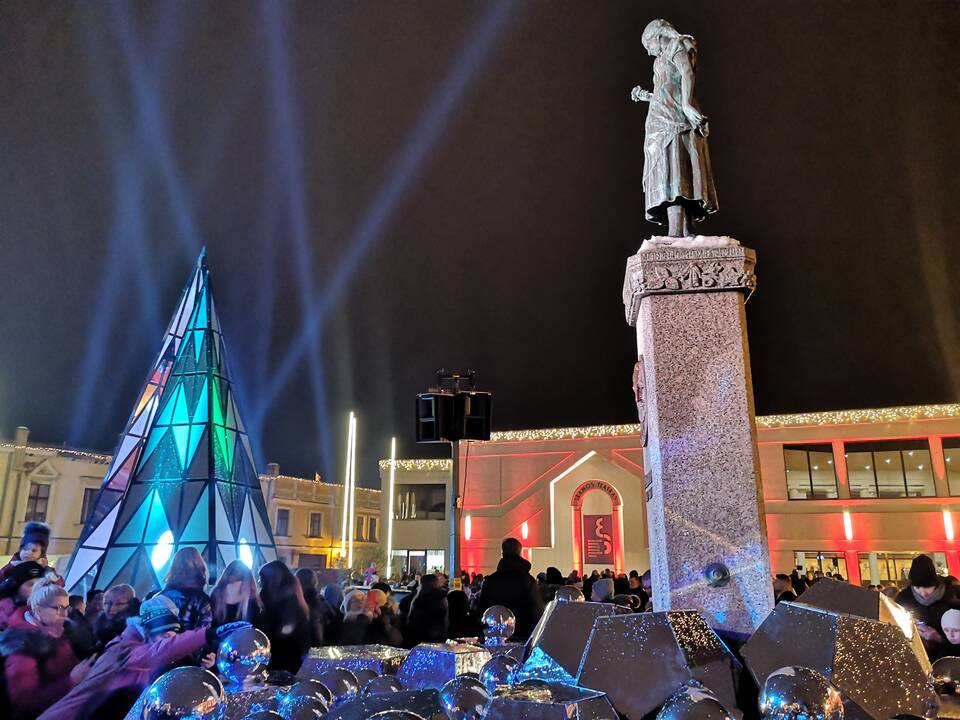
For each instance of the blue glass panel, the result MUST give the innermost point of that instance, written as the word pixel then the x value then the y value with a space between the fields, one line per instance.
pixel 198 527
pixel 113 562
pixel 181 434
pixel 133 532
pixel 157 525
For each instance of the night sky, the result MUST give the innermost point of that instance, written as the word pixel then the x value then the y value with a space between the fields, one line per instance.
pixel 393 187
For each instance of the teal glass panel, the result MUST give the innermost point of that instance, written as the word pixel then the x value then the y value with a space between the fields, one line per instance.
pixel 113 562
pixel 202 410
pixel 197 345
pixel 196 432
pixel 157 524
pixel 224 531
pixel 133 532
pixel 181 414
pixel 181 434
pixel 198 526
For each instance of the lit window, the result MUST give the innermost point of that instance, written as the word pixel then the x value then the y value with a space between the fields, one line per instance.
pixel 37 502
pixel 89 498
pixel 283 521
pixel 372 529
pixel 951 457
pixel 810 474
pixel 358 528
pixel 316 524
pixel 890 469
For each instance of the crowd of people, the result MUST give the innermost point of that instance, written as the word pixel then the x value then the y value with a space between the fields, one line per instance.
pixel 67 657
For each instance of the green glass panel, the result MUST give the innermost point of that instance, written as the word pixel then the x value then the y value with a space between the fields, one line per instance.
pixel 217 404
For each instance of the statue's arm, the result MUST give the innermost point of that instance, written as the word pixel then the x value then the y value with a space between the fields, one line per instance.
pixel 638 94
pixel 687 80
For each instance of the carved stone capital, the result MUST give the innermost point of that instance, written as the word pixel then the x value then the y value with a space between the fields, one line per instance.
pixel 674 270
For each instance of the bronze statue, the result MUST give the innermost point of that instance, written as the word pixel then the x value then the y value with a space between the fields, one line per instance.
pixel 677 180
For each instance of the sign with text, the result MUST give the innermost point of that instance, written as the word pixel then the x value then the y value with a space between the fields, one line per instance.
pixel 598 539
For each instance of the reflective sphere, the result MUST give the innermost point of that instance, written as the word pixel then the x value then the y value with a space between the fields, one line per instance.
pixel 184 692
pixel 364 675
pixel 242 654
pixel 381 684
pixel 341 683
pixel 303 708
pixel 799 693
pixel 264 715
pixel 498 624
pixel 497 671
pixel 397 715
pixel 464 698
pixel 946 674
pixel 308 688
pixel 694 702
pixel 569 593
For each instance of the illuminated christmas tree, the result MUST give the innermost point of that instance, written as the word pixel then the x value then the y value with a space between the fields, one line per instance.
pixel 183 473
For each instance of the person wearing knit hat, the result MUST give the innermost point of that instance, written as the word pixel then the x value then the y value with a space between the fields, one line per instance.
pixel 158 616
pixel 602 590
pixel 16 587
pixel 33 547
pixel 927 598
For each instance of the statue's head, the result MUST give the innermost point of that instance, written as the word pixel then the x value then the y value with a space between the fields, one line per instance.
pixel 654 35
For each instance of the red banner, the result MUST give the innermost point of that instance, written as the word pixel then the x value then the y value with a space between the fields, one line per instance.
pixel 598 539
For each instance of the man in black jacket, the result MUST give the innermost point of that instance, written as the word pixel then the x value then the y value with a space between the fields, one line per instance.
pixel 513 586
pixel 927 598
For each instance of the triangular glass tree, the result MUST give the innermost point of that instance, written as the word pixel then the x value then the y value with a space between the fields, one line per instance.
pixel 183 473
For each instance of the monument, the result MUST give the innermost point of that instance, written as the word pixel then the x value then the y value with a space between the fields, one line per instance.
pixel 685 295
pixel 183 473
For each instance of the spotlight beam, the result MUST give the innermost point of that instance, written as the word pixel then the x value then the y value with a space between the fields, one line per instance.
pixel 403 170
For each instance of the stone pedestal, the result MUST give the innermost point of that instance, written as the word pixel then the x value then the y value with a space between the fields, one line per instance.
pixel 708 538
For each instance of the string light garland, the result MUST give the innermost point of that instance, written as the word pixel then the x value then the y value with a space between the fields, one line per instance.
pixel 420 464
pixel 61 452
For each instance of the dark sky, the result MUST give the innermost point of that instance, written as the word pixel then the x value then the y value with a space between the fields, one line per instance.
pixel 432 184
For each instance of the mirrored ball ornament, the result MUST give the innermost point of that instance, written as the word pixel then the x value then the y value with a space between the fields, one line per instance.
pixel 303 708
pixel 243 654
pixel 364 675
pixel 464 698
pixel 498 671
pixel 263 715
pixel 308 688
pixel 381 685
pixel 499 623
pixel 184 692
pixel 397 715
pixel 946 675
pixel 341 683
pixel 799 693
pixel 569 593
pixel 694 702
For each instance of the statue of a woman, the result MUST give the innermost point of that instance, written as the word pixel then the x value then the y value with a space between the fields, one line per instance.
pixel 677 180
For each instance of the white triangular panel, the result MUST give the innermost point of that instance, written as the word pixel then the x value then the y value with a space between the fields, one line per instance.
pixel 100 537
pixel 82 562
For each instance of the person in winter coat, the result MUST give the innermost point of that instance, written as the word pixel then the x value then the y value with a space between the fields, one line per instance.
pixel 119 603
pixel 33 547
pixel 16 587
pixel 463 624
pixel 184 585
pixel 321 614
pixel 286 617
pixel 553 581
pixel 513 586
pixel 39 665
pixel 235 596
pixel 428 618
pixel 149 646
pixel 383 629
pixel 927 598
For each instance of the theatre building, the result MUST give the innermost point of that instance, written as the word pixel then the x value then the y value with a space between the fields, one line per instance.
pixel 855 492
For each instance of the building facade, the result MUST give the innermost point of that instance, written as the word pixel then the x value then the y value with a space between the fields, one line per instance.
pixel 59 486
pixel 307 516
pixel 857 493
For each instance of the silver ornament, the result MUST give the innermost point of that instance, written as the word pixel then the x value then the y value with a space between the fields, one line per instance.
pixel 498 671
pixel 569 593
pixel 243 654
pixel 303 707
pixel 946 674
pixel 396 715
pixel 264 715
pixel 380 685
pixel 499 623
pixel 464 699
pixel 799 693
pixel 341 683
pixel 364 675
pixel 308 688
pixel 184 693
pixel 694 702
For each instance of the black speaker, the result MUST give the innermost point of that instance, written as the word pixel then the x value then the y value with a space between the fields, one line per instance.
pixel 435 417
pixel 472 412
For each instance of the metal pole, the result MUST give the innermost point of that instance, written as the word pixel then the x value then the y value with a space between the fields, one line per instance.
pixel 453 565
